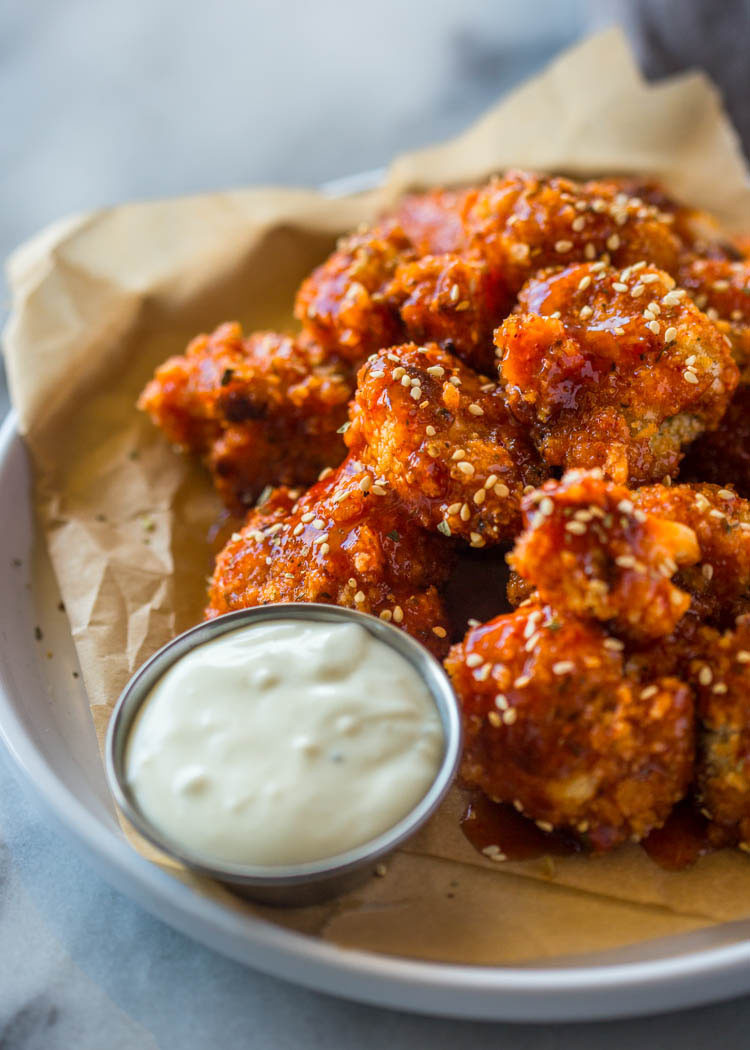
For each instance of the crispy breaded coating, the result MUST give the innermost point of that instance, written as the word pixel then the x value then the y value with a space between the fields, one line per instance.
pixel 341 304
pixel 722 455
pixel 260 410
pixel 589 551
pixel 613 368
pixel 524 222
pixel 723 772
pixel 452 301
pixel 554 725
pixel 721 288
pixel 434 221
pixel 719 584
pixel 347 541
pixel 443 438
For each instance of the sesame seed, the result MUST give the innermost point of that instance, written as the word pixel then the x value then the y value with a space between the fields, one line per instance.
pixel 436 370
pixel 726 494
pixel 381 871
pixel 576 527
pixel 720 286
pixel 325 472
pixel 625 506
pixel 613 644
pixel 439 631
pixel 510 716
pixel 625 561
pixel 318 523
pixel 454 508
pixel 405 380
pixel 465 467
pixel 465 513
pixel 324 548
pixel 649 691
pixel 670 335
pixel 376 375
pixel 430 431
pixel 416 392
pixel 649 278
pixel 690 377
pixel 743 656
pixel 359 597
pixel 476 410
pixel 477 540
pixel 589 251
pixel 543 825
pixel 546 507
pixel 399 372
pixel 479 497
pixel 455 380
pixel 494 719
pixel 522 681
pixel 563 667
pixel 705 675
pixel 563 246
pixel 707 571
pixel 654 326
pixel 455 293
pixel 619 286
pixel 584 283
pixel 297 529
pixel 613 242
pixel 386 615
pixel 720 689
pixel 483 673
pixel 578 223
pixel 619 330
pixel 491 480
pixel 460 453
pixel 365 483
pixel 501 702
pixel 585 312
pixel 636 290
pixel 474 660
pixel 398 613
pixel 377 490
pixel 308 517
pixel 501 490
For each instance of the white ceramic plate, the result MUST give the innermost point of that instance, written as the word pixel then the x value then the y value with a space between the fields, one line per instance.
pixel 46 725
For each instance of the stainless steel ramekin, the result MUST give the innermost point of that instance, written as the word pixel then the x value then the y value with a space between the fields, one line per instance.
pixel 300 884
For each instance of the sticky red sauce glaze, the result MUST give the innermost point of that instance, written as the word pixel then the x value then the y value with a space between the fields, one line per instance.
pixel 486 824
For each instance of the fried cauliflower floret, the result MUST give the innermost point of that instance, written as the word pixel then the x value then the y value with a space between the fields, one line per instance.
pixel 434 221
pixel 341 303
pixel 589 551
pixel 613 368
pixel 260 410
pixel 722 455
pixel 524 222
pixel 723 772
pixel 444 440
pixel 452 301
pixel 554 725
pixel 722 288
pixel 719 584
pixel 347 541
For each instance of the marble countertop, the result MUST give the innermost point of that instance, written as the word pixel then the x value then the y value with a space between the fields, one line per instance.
pixel 115 102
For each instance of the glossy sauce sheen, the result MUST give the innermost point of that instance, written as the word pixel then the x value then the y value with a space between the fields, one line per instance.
pixel 284 743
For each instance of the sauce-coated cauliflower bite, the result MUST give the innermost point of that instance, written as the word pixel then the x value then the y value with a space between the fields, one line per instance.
pixel 347 541
pixel 589 551
pixel 613 368
pixel 523 222
pixel 723 774
pixel 554 725
pixel 719 584
pixel 445 441
pixel 721 288
pixel 722 455
pixel 265 409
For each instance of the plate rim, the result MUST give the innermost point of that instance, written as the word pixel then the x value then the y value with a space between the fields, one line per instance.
pixel 438 988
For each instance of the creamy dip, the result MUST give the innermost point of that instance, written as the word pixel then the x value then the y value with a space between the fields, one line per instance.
pixel 284 742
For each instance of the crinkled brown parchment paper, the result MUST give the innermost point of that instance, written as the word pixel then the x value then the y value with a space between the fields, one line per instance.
pixel 101 299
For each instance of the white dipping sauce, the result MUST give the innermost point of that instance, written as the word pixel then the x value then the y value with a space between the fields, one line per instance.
pixel 282 743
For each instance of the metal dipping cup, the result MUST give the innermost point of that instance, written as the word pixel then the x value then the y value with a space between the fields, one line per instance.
pixel 292 885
